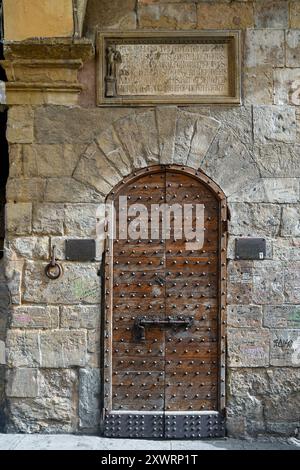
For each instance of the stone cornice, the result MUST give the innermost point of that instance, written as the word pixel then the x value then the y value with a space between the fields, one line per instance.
pixel 45 71
pixel 53 48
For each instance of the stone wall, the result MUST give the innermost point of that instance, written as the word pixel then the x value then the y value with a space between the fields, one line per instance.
pixel 65 159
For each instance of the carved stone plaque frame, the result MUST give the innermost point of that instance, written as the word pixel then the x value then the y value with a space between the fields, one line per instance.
pixel 144 68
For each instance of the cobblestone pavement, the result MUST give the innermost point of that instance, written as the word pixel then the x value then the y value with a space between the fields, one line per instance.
pixel 71 442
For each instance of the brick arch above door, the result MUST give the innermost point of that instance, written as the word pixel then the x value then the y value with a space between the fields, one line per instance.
pixel 167 135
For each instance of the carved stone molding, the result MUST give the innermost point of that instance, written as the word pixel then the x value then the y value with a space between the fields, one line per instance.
pixel 44 71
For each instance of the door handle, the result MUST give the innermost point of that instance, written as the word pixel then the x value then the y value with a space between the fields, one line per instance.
pixel 142 322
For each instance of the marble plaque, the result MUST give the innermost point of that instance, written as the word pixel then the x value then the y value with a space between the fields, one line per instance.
pixel 136 68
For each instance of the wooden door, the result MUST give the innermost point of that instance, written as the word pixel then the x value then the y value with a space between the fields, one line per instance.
pixel 164 357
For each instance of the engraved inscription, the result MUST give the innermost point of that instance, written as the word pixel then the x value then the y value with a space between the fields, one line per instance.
pixel 173 69
pixel 154 67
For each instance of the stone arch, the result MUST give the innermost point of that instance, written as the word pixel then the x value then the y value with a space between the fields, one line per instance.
pixel 167 135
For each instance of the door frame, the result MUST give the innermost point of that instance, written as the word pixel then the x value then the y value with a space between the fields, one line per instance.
pixel 107 289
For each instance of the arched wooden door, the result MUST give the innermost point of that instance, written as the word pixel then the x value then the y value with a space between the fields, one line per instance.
pixel 164 344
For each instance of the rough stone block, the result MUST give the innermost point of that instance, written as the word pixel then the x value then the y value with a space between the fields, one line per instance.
pixel 87 172
pixel 285 348
pixel 237 119
pixel 99 163
pixel 63 348
pixel 248 348
pixel 50 160
pixel 166 123
pixel 15 160
pixel 264 47
pixel 298 123
pixel 264 382
pixel 254 219
pixel 23 349
pixel 258 85
pixel 67 125
pixel 35 317
pixel 235 426
pixel 147 126
pixel 283 429
pixel 2 353
pixel 244 316
pixel 295 14
pixel 57 383
pixel 283 316
pixel 27 247
pixel 205 131
pixel 268 283
pixel 287 249
pixel 79 284
pixel 271 14
pixel 38 18
pixel 70 190
pixel 14 275
pixel 272 190
pixel 194 135
pixel 290 225
pixel 22 383
pixel 47 415
pixel 275 390
pixel 167 16
pixel 292 283
pixel 221 15
pixel 112 149
pixel 94 348
pixel 89 393
pixel 93 341
pixel 293 48
pixel 185 128
pixel 119 15
pixel 139 137
pixel 278 160
pixel 240 282
pixel 48 219
pixel 229 163
pixel 245 382
pixel 251 408
pixel 95 170
pixel 25 190
pixel 81 316
pixel 274 123
pixel 287 86
pixel 81 220
pixel 20 125
pixel 18 218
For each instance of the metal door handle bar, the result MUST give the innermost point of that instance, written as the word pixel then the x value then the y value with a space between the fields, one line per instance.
pixel 142 322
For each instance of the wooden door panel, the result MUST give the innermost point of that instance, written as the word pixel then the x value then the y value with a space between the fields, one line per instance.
pixel 199 269
pixel 133 363
pixel 165 355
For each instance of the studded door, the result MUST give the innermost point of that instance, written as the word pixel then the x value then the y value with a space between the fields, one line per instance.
pixel 165 285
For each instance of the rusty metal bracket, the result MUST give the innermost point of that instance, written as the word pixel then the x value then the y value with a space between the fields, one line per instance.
pixel 142 322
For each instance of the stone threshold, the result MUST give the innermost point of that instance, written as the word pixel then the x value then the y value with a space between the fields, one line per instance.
pixel 72 442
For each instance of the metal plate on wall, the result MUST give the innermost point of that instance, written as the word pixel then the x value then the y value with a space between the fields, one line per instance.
pixel 250 248
pixel 170 426
pixel 80 250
